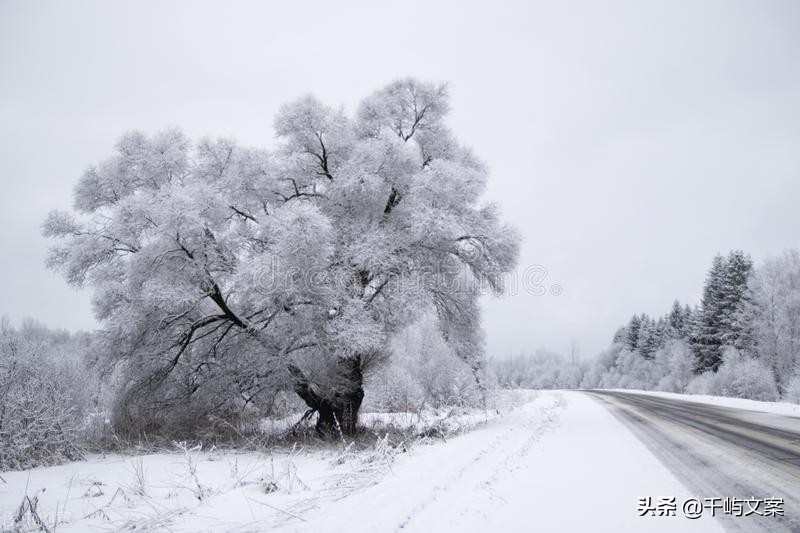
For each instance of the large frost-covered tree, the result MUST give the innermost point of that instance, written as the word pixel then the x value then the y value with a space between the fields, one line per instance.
pixel 220 271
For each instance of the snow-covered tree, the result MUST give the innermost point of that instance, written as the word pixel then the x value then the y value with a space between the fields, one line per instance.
pixel 678 321
pixel 631 371
pixel 772 314
pixel 46 395
pixel 632 331
pixel 743 341
pixel 694 324
pixel 743 376
pixel 708 336
pixel 650 334
pixel 723 295
pixel 604 364
pixel 423 371
pixel 735 296
pixel 541 369
pixel 791 392
pixel 620 335
pixel 675 366
pixel 220 272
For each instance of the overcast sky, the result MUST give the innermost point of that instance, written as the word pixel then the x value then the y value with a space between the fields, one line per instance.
pixel 628 141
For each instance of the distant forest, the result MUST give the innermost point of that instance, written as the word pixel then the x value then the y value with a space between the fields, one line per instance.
pixel 741 340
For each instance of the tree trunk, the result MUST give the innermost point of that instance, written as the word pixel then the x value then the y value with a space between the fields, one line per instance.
pixel 340 416
pixel 337 408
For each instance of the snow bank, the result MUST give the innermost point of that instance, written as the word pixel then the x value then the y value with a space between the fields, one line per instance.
pixel 192 489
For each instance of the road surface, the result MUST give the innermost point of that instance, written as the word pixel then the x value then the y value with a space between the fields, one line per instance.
pixel 720 452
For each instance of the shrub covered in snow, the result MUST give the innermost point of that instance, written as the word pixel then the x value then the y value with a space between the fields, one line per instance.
pixel 44 395
pixel 635 372
pixel 594 375
pixel 792 391
pixel 619 367
pixel 700 384
pixel 675 364
pixel 394 389
pixel 540 370
pixel 742 376
pixel 422 372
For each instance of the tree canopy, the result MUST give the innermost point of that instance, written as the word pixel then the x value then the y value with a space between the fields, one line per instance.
pixel 220 271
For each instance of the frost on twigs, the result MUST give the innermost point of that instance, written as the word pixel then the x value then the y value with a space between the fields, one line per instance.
pixel 199 490
pixel 138 485
pixel 27 514
pixel 42 397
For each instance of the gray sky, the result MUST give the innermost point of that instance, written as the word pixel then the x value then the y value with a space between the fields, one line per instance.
pixel 628 141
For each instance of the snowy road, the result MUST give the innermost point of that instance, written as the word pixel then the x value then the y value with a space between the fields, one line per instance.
pixel 719 451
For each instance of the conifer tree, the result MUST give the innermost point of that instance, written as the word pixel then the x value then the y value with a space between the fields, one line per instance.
pixel 676 321
pixel 735 295
pixel 720 323
pixel 620 336
pixel 708 339
pixel 660 333
pixel 632 338
pixel 648 338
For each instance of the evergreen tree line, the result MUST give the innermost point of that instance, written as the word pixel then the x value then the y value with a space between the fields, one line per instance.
pixel 743 339
pixel 719 321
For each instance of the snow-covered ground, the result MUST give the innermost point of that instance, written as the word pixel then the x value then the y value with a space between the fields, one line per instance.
pixel 558 462
pixel 778 408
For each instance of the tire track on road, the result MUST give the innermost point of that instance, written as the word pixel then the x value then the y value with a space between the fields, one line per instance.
pixel 717 454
